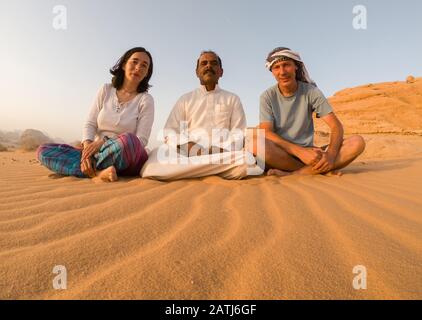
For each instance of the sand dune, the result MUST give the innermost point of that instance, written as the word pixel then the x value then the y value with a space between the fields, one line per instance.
pixel 259 238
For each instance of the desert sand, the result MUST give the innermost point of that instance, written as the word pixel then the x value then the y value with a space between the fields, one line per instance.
pixel 294 237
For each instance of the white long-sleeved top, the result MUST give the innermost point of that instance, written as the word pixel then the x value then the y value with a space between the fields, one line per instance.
pixel 108 117
pixel 202 110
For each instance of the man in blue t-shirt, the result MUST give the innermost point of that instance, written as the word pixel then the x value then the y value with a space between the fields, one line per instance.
pixel 286 116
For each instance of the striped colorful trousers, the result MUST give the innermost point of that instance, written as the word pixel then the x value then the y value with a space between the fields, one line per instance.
pixel 125 152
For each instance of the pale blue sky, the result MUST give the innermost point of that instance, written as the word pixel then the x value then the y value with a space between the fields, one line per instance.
pixel 50 77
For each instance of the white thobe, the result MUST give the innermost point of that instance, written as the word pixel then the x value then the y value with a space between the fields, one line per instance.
pixel 199 114
pixel 193 119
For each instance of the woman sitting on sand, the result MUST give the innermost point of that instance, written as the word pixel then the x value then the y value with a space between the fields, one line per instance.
pixel 118 126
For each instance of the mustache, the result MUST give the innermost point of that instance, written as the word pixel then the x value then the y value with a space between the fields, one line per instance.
pixel 209 70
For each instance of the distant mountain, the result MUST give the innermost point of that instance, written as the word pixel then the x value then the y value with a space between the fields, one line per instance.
pixel 10 136
pixel 30 139
pixel 9 139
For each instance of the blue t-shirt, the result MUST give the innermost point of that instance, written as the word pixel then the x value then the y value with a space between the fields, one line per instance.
pixel 292 116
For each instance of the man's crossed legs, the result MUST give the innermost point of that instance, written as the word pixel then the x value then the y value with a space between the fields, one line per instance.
pixel 280 163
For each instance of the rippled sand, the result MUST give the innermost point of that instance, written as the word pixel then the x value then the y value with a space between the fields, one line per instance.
pixel 260 238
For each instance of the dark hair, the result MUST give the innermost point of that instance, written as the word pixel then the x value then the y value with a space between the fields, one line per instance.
pixel 212 52
pixel 119 74
pixel 300 74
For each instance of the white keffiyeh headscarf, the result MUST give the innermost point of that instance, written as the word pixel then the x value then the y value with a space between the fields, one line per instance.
pixel 286 53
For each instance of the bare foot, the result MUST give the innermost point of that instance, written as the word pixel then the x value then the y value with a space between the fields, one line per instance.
pixel 108 175
pixel 278 173
pixel 334 173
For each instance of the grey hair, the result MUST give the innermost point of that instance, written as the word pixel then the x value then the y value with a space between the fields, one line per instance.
pixel 212 52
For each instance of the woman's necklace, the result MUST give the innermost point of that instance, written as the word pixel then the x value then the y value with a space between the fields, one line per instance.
pixel 126 96
pixel 128 92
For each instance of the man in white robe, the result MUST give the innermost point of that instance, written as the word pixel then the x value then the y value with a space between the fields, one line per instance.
pixel 204 133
